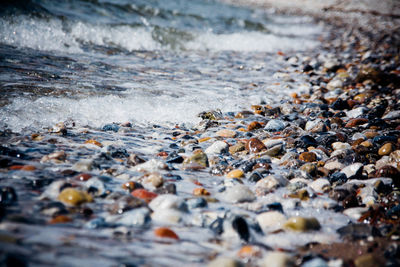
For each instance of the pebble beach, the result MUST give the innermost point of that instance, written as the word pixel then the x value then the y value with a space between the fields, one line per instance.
pixel 297 163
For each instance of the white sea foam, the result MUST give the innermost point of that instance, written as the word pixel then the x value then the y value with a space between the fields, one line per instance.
pixel 55 35
pixel 99 110
pixel 248 42
pixel 164 101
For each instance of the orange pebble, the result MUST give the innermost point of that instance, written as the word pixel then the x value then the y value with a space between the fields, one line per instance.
pixel 60 219
pixel 16 167
pixel 166 232
pixel 94 142
pixel 254 125
pixel 163 154
pixel 28 168
pixel 249 251
pixel 23 167
pixel 200 191
pixel 144 194
pixel 204 139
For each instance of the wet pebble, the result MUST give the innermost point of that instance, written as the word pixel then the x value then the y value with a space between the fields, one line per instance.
pixel 302 224
pixel 74 197
pixel 237 193
pixel 254 145
pixel 135 217
pixel 353 171
pixel 144 194
pixel 235 174
pixel 271 221
pixel 226 133
pixel 275 126
pixel 270 183
pixel 218 147
pixel 198 158
pixel 164 232
pixel 308 157
pixel 386 149
pixel 356 122
pixel 8 196
pixel 277 259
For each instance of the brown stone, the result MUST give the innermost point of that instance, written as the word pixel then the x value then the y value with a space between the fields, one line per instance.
pixel 367 144
pixel 254 145
pixel 200 191
pixel 388 171
pixel 370 134
pixel 367 260
pixel 355 122
pixel 235 174
pixel 254 125
pixel 308 157
pixel 386 149
pixel 93 142
pixel 240 146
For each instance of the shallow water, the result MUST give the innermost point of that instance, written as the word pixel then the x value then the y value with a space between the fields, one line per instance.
pixel 142 61
pixel 156 64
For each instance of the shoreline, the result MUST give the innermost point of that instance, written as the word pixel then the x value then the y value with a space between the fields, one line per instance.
pixel 363 34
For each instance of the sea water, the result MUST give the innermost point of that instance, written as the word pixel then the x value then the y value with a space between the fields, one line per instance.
pixel 98 62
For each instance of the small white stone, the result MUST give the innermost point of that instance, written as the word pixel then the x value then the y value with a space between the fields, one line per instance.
pixel 355 213
pixel 331 63
pixel 269 143
pixel 334 165
pixel 167 216
pixel 83 165
pixel 368 195
pixel 168 201
pixel 153 180
pixel 353 170
pixel 320 185
pixel 340 145
pixel 370 168
pixel 393 115
pixel 237 193
pixel 357 112
pixel 271 182
pixel 149 166
pixel 277 259
pixel 218 147
pixel 136 217
pixel 334 83
pixel 312 124
pixel 271 220
pixel 357 136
